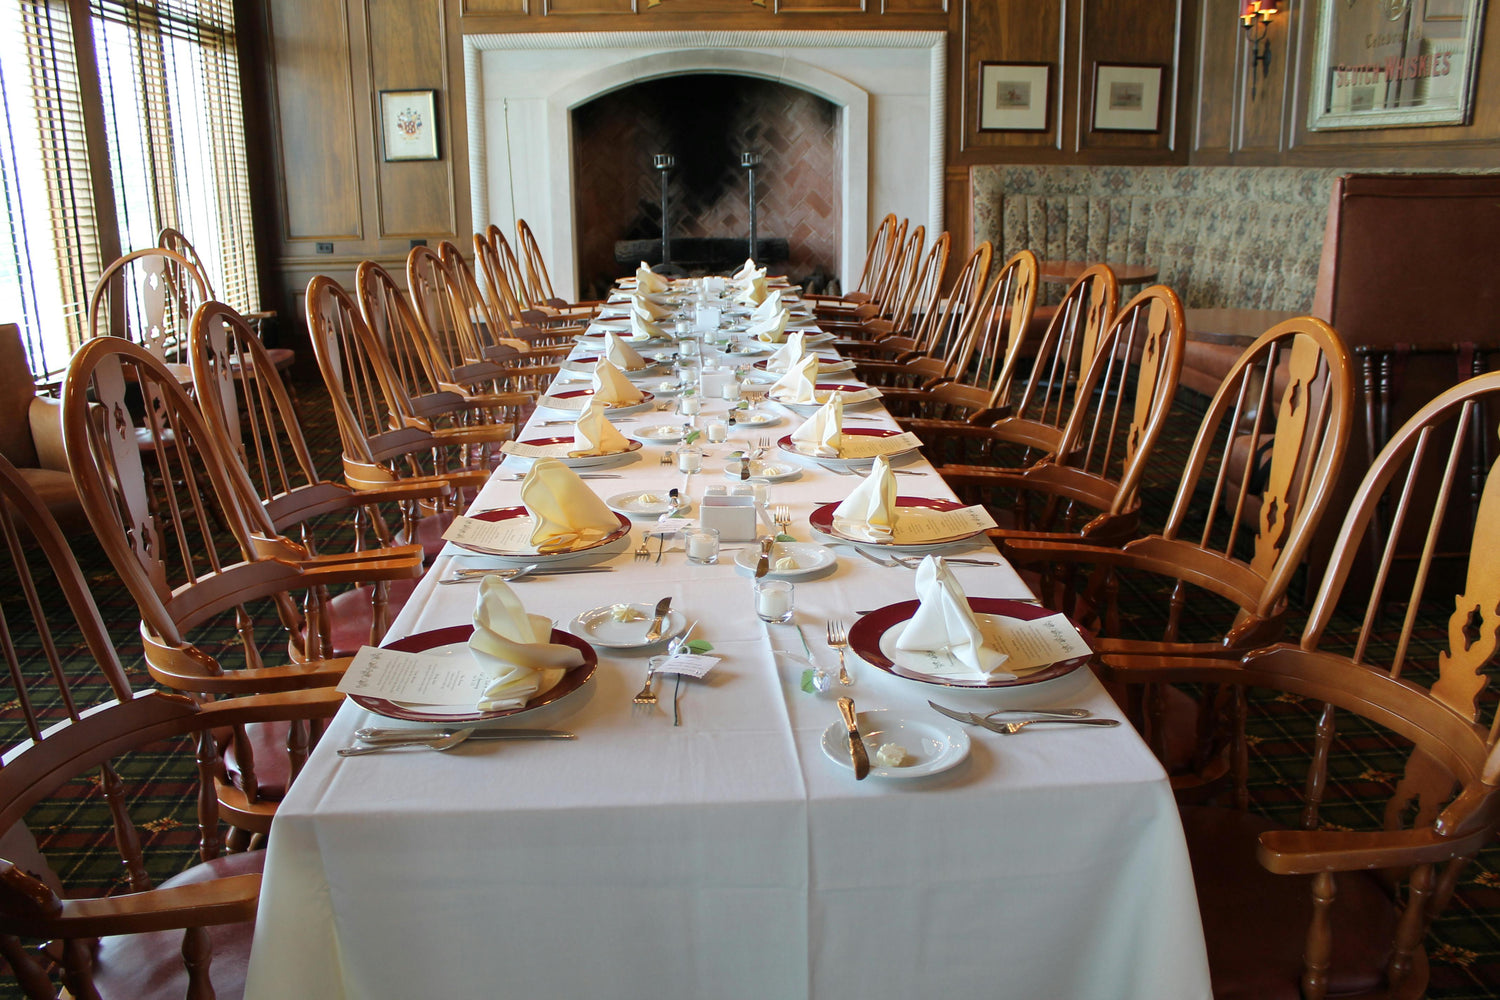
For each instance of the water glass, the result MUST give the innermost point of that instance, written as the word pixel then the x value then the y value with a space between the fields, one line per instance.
pixel 774 600
pixel 702 545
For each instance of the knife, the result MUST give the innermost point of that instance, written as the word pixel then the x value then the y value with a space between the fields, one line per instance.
pixel 977 719
pixel 377 736
pixel 763 565
pixel 662 607
pixel 857 755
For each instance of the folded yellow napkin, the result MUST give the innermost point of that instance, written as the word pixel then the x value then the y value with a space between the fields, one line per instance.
pixel 593 434
pixel 768 308
pixel 771 330
pixel 621 354
pixel 871 509
pixel 612 388
pixel 748 270
pixel 647 280
pixel 642 304
pixel 943 622
pixel 821 433
pixel 799 384
pixel 789 355
pixel 562 506
pixel 754 292
pixel 517 646
pixel 643 328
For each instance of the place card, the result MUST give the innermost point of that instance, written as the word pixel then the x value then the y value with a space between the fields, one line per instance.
pixel 511 535
pixel 688 664
pixel 416 678
pixel 571 403
pixel 521 449
pixel 853 446
pixel 915 525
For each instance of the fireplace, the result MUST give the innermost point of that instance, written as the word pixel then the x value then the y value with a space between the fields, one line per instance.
pixel 887 88
pixel 706 121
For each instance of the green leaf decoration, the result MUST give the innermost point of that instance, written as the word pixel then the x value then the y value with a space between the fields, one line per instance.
pixel 699 646
pixel 785 538
pixel 692 436
pixel 807 682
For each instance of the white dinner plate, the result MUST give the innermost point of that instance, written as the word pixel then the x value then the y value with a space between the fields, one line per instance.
pixel 932 745
pixel 633 504
pixel 660 433
pixel 575 401
pixel 598 626
pixel 775 472
pixel 811 559
pixel 827 366
pixel 653 369
pixel 749 347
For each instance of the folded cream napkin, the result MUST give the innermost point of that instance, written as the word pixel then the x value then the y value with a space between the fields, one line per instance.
pixel 871 509
pixel 516 646
pixel 754 292
pixel 643 327
pixel 612 388
pixel 821 433
pixel 642 304
pixel 943 622
pixel 799 385
pixel 647 280
pixel 789 355
pixel 771 330
pixel 593 434
pixel 769 308
pixel 748 270
pixel 564 509
pixel 621 354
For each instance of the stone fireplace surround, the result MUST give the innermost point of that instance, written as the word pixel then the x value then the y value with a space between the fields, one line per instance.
pixel 889 87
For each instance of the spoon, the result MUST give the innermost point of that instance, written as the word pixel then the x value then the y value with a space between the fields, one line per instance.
pixel 448 742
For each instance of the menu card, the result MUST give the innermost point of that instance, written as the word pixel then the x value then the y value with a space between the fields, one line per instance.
pixel 521 449
pixel 571 403
pixel 868 446
pixel 850 398
pixel 416 678
pixel 1028 646
pixel 916 525
pixel 511 535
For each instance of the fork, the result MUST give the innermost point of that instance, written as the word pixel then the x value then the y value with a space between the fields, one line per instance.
pixel 1011 728
pixel 838 638
pixel 643 551
pixel 782 515
pixel 647 694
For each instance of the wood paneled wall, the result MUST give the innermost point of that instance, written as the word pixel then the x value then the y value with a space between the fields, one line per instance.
pixel 323 62
pixel 1230 126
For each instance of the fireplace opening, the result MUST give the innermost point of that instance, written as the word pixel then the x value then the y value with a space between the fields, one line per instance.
pixel 706 121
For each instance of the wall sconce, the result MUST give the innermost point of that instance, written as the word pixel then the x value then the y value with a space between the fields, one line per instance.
pixel 1257 16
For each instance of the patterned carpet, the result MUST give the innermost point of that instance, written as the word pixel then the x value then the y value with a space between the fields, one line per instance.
pixel 1464 944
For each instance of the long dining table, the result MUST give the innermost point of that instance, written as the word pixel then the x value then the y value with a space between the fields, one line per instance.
pixel 730 856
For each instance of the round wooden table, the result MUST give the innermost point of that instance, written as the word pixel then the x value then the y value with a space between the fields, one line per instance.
pixel 1065 272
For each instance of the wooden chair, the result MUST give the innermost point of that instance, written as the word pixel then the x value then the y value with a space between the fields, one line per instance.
pixel 1084 487
pixel 889 236
pixel 898 283
pixel 502 335
pixel 493 257
pixel 182 542
pixel 1272 442
pixel 144 940
pixel 938 343
pixel 539 282
pixel 981 372
pixel 148 297
pixel 171 239
pixel 962 434
pixel 1324 897
pixel 253 417
pixel 381 445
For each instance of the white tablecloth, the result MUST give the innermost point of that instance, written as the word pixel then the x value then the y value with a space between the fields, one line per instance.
pixel 728 857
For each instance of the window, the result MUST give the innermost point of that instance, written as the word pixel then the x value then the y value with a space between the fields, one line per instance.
pixel 170 128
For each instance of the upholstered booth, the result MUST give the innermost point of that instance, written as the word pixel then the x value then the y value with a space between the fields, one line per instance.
pixel 31 434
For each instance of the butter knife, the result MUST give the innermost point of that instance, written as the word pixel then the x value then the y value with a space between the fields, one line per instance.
pixel 377 735
pixel 857 755
pixel 763 564
pixel 662 607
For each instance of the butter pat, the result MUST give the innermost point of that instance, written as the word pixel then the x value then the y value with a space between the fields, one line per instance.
pixel 625 613
pixel 892 755
pixel 785 563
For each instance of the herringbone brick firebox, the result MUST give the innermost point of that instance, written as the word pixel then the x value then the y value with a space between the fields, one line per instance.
pixel 706 121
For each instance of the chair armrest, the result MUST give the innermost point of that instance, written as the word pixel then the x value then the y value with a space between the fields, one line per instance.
pixel 228 900
pixel 1307 852
pixel 45 417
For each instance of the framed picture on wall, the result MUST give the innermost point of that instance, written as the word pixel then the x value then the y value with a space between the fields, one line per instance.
pixel 1014 97
pixel 408 124
pixel 1399 62
pixel 1127 97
